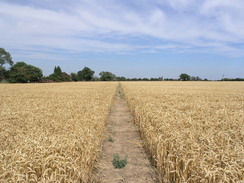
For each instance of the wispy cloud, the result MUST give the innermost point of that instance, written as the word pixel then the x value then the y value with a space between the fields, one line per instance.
pixel 121 26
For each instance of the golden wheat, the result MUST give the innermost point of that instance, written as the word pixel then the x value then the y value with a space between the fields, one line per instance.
pixel 193 130
pixel 52 132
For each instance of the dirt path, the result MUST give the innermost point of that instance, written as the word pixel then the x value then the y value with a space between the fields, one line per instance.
pixel 126 141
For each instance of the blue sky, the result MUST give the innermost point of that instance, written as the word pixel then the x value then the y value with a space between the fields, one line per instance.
pixel 139 38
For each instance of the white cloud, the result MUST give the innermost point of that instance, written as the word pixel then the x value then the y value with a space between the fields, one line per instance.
pixel 229 15
pixel 113 26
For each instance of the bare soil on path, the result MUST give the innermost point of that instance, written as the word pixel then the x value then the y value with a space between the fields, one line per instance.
pixel 126 141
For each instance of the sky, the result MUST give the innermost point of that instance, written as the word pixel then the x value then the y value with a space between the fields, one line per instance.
pixel 131 38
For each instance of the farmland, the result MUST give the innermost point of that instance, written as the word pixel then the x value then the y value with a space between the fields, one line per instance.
pixel 193 130
pixel 52 132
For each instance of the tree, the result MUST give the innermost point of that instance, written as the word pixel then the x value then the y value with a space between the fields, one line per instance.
pixel 85 74
pixel 57 75
pixel 23 73
pixel 145 79
pixel 65 76
pixel 107 76
pixel 5 58
pixel 195 78
pixel 54 77
pixel 57 71
pixel 184 77
pixel 121 78
pixel 74 77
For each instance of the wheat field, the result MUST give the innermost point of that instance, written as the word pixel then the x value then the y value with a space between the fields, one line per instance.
pixel 52 132
pixel 194 131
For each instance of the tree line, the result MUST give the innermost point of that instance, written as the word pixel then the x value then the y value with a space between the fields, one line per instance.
pixel 20 72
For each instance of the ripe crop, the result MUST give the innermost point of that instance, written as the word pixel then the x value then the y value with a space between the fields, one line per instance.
pixel 194 131
pixel 52 132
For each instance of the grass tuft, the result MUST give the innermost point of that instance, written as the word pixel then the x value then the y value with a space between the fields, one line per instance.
pixel 119 163
pixel 110 139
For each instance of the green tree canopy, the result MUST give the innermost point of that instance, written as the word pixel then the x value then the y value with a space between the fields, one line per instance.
pixel 5 58
pixel 65 76
pixel 23 73
pixel 195 78
pixel 57 75
pixel 57 71
pixel 107 76
pixel 85 74
pixel 184 77
pixel 121 78
pixel 74 77
pixel 54 77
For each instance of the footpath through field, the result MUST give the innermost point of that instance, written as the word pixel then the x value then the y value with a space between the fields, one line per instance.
pixel 123 138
